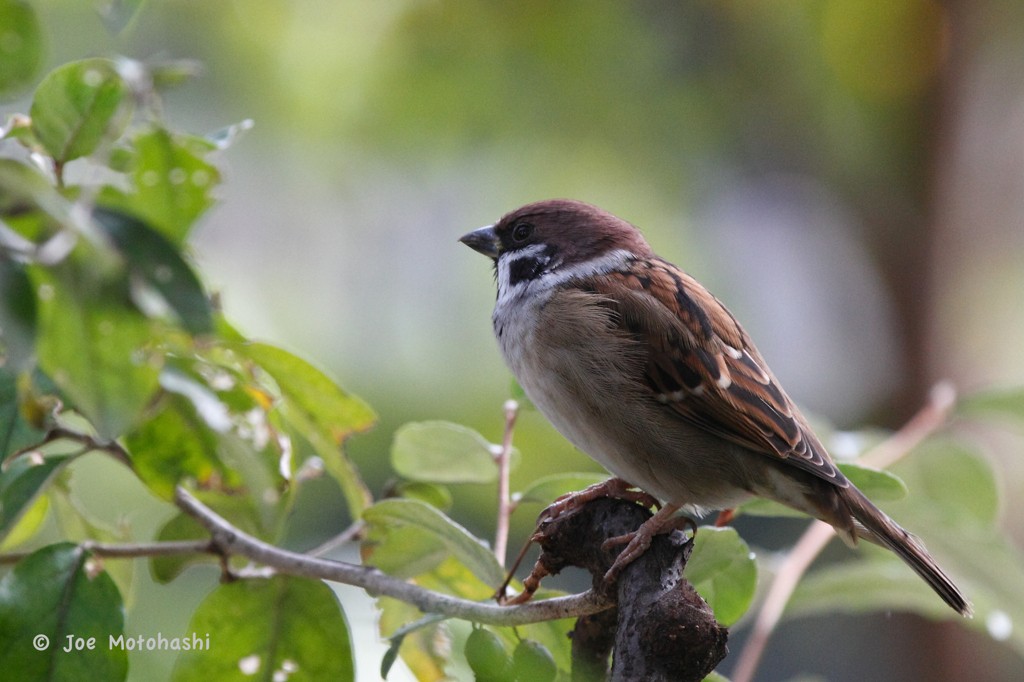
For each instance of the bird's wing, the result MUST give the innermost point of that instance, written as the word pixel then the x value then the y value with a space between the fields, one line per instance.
pixel 702 365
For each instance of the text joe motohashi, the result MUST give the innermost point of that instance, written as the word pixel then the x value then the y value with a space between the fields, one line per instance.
pixel 160 642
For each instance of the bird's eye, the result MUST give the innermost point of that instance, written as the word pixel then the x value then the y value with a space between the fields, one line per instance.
pixel 522 232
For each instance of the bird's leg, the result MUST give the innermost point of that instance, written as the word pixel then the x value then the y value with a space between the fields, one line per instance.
pixel 725 517
pixel 640 539
pixel 613 487
pixel 530 585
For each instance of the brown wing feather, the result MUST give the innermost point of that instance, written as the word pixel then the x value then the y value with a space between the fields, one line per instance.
pixel 703 366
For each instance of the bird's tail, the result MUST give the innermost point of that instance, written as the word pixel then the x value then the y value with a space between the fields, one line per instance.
pixel 873 525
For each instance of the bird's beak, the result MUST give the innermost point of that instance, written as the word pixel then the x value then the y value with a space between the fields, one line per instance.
pixel 485 240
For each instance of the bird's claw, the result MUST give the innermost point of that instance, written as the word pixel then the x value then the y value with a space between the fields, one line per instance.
pixel 640 539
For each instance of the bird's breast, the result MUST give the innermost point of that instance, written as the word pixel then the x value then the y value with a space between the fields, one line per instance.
pixel 586 377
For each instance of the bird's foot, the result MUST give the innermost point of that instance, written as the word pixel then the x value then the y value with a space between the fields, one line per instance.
pixel 570 502
pixel 640 539
pixel 613 487
pixel 530 586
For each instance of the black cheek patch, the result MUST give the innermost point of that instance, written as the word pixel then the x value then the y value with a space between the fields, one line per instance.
pixel 528 268
pixel 525 269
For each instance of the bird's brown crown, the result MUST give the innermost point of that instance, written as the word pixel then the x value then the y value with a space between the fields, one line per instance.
pixel 575 230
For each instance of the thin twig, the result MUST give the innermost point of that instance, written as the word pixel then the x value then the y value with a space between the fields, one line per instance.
pixel 930 418
pixel 232 541
pixel 130 550
pixel 55 433
pixel 504 500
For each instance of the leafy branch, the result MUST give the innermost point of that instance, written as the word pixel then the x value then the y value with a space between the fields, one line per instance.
pixel 231 541
pixel 227 540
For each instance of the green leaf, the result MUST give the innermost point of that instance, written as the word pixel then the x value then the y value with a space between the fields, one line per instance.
pixel 459 541
pixel 121 159
pixel 950 484
pixel 398 637
pixel 953 507
pixel 174 444
pixel 864 586
pixel 320 411
pixel 29 524
pixel 286 627
pixel 433 494
pixel 19 127
pixel 58 591
pixel 452 576
pixel 1005 403
pixel 877 485
pixel 442 452
pixel 77 106
pixel 173 183
pixel 93 344
pixel 723 571
pixel 77 525
pixel 157 262
pixel 17 313
pixel 15 432
pixel 220 387
pixel 164 569
pixel 985 564
pixel 549 488
pixel 22 482
pixel 327 405
pixel 390 656
pixel 225 331
pixel 27 193
pixel 424 650
pixel 21 47
pixel 406 552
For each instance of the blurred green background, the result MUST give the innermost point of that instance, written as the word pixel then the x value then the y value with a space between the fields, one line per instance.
pixel 846 175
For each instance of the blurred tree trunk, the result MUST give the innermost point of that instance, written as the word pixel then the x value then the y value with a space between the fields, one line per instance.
pixel 968 264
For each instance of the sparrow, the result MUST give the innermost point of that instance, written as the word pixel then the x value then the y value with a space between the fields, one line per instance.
pixel 641 368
